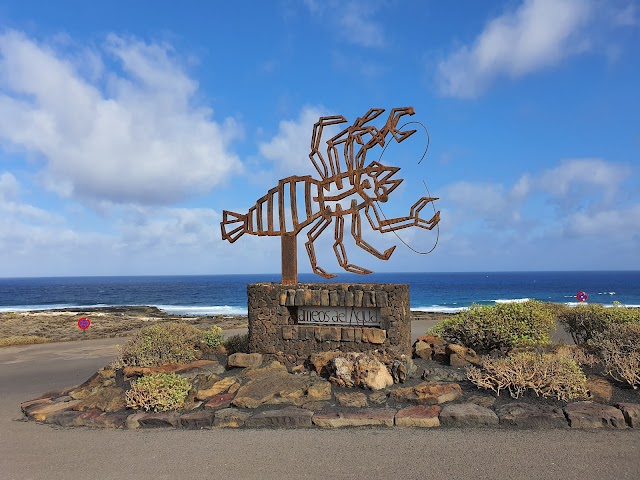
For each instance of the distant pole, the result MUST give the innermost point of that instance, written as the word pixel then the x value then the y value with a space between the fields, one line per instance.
pixel 289 252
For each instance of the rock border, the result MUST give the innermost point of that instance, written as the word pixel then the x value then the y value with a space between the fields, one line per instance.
pixel 270 396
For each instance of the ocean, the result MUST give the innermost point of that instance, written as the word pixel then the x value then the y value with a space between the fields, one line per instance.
pixel 227 294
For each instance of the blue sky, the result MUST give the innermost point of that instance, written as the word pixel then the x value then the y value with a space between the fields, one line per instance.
pixel 126 128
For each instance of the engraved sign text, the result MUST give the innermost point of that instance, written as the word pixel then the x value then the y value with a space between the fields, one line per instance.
pixel 345 316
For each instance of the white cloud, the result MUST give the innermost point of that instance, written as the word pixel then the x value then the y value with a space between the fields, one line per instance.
pixel 289 148
pixel 138 135
pixel 491 203
pixel 587 192
pixel 352 19
pixel 620 222
pixel 11 208
pixel 8 185
pixel 591 176
pixel 538 34
pixel 172 228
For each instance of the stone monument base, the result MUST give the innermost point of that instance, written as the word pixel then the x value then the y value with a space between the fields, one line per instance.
pixel 307 318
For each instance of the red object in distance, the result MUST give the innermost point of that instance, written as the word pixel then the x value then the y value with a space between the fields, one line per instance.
pixel 582 296
pixel 84 323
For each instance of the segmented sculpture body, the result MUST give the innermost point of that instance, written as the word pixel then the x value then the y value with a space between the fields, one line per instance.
pixel 346 187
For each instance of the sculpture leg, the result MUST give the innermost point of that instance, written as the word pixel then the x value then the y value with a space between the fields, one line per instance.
pixel 356 232
pixel 312 235
pixel 341 253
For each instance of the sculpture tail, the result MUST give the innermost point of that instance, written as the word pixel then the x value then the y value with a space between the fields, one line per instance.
pixel 233 225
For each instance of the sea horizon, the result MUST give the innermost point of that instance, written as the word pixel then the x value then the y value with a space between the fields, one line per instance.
pixel 225 294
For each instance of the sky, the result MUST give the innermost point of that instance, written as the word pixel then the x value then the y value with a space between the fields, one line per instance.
pixel 127 128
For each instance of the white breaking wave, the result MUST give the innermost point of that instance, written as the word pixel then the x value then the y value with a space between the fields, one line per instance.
pixel 205 310
pixel 439 309
pixel 511 300
pixel 44 308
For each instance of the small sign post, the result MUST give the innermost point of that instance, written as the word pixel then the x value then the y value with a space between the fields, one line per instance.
pixel 582 296
pixel 83 324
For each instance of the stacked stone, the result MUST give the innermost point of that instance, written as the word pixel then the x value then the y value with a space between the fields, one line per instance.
pixel 273 318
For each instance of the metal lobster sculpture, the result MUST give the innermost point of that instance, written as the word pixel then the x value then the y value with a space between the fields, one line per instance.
pixel 344 179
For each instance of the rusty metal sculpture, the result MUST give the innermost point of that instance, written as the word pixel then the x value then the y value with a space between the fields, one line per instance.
pixel 343 179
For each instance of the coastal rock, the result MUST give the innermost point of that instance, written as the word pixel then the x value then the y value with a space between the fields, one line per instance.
pixel 418 416
pixel 290 417
pixel 379 397
pixel 370 373
pixel 268 369
pixel 360 370
pixel 244 360
pixel 215 389
pixel 434 373
pixel 342 372
pixel 318 390
pixel 41 411
pixel 428 393
pixel 422 350
pixel 63 419
pixel 198 366
pixel 88 418
pixel 230 418
pixel 486 401
pixel 362 418
pixel 399 371
pixel 29 406
pixel 528 415
pixel 111 420
pixel 196 420
pixel 631 412
pixel 460 356
pixel 219 401
pixel 281 387
pixel 437 346
pixel 107 399
pixel 320 361
pixel 159 420
pixel 467 415
pixel 315 406
pixel 132 420
pixel 593 415
pixel 355 399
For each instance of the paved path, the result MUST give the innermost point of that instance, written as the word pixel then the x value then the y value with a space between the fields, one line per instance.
pixel 32 451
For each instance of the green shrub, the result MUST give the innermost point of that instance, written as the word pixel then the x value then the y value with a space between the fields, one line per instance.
pixel 161 343
pixel 547 374
pixel 618 347
pixel 213 337
pixel 582 322
pixel 501 326
pixel 237 343
pixel 159 392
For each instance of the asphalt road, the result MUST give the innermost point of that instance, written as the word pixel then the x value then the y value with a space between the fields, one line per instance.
pixel 32 451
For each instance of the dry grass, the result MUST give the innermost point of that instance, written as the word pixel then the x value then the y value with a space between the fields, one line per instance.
pixel 107 322
pixel 25 340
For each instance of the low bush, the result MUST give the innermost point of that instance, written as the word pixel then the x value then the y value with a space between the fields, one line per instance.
pixel 159 392
pixel 618 348
pixel 161 343
pixel 501 326
pixel 237 343
pixel 546 374
pixel 213 337
pixel 582 322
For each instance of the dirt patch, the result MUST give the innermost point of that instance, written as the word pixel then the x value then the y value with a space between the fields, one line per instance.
pixel 106 322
